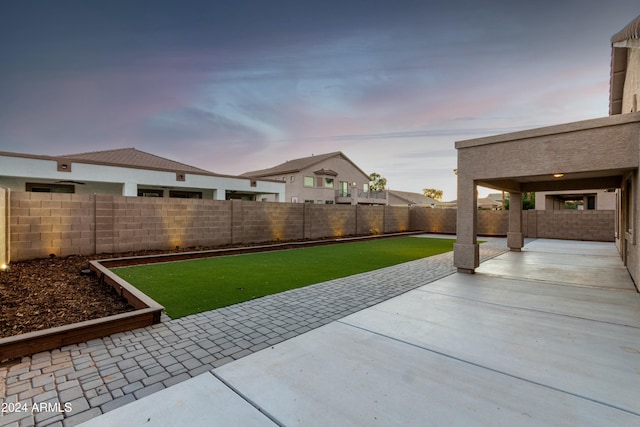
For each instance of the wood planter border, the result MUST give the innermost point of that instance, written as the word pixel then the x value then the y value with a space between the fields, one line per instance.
pixel 148 312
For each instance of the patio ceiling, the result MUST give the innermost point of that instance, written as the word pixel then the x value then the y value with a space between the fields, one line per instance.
pixel 591 180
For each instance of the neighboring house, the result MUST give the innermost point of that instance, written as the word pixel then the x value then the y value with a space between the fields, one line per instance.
pixel 323 179
pixel 489 203
pixel 486 203
pixel 405 198
pixel 602 153
pixel 127 172
pixel 582 200
pixel 501 197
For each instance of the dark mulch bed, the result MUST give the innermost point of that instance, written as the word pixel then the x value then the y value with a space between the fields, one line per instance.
pixel 44 293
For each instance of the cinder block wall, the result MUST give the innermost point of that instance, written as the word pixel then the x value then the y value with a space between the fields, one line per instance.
pixel 433 220
pixel 396 218
pixel 370 219
pixel 265 221
pixel 41 224
pixel 329 221
pixel 573 225
pixel 64 224
pixel 597 225
pixel 493 223
pixel 158 223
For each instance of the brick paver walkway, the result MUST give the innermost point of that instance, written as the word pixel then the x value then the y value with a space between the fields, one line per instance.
pixel 67 386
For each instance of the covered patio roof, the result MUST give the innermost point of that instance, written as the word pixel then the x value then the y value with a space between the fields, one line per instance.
pixel 590 154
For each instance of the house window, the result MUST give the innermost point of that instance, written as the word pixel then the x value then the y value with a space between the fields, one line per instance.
pixel 343 189
pixel 365 188
pixel 328 202
pixel 50 188
pixel 149 192
pixel 308 181
pixel 591 202
pixel 185 194
pixel 293 178
pixel 328 182
pixel 308 201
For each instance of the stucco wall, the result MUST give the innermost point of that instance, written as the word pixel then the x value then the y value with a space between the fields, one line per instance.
pixel 629 242
pixel 16 170
pixel 294 181
pixel 603 144
pixel 631 92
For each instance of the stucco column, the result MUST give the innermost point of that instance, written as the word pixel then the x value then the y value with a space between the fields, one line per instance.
pixel 466 252
pixel 515 238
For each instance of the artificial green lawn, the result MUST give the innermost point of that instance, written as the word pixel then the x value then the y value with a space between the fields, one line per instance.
pixel 188 287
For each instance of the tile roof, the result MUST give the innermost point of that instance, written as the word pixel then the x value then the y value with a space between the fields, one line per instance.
pixel 297 165
pixel 130 157
pixel 294 165
pixel 414 198
pixel 631 31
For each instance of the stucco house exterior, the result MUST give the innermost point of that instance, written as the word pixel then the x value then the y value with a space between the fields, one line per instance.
pixel 602 153
pixel 330 178
pixel 127 172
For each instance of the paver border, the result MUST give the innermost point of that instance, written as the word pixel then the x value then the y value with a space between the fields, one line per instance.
pixel 148 312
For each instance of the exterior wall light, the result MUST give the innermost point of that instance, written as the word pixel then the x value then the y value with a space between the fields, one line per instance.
pixel 558 175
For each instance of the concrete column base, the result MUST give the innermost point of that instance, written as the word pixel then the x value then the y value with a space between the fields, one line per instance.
pixel 515 241
pixel 466 257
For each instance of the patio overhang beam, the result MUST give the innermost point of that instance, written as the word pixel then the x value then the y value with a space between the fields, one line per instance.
pixel 561 184
pixel 574 184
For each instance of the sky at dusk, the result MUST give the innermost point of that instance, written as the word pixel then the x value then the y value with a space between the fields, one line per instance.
pixel 245 85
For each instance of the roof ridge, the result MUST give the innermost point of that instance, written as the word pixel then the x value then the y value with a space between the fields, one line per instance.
pixel 99 151
pixel 296 165
pixel 630 31
pixel 169 164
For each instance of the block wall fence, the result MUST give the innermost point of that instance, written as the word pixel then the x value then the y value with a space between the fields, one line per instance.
pixel 40 224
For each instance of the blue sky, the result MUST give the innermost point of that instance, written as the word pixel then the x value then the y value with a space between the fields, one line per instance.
pixel 233 87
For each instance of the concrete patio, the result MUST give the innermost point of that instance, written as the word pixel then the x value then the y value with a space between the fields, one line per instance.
pixel 548 336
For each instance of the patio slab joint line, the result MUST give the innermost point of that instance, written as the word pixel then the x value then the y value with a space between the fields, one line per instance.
pixel 246 399
pixel 535 310
pixel 468 362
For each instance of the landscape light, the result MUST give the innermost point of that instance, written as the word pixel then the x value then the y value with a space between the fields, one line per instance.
pixel 4 267
pixel 558 175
